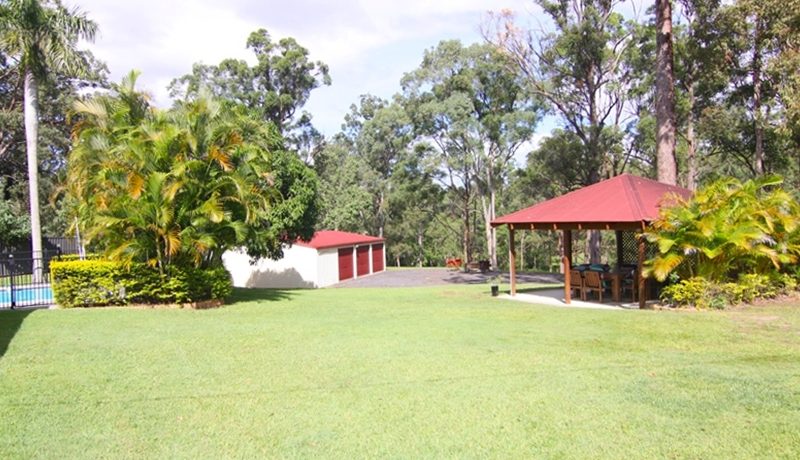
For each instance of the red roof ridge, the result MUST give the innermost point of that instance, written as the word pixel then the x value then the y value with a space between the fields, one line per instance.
pixel 324 239
pixel 636 202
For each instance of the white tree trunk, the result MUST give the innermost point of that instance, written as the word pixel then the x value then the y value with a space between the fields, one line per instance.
pixel 31 143
pixel 489 213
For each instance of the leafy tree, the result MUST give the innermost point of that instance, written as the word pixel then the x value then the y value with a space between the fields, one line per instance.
pixel 14 224
pixel 760 43
pixel 181 187
pixel 415 212
pixel 57 93
pixel 699 63
pixel 728 228
pixel 344 200
pixel 276 87
pixel 579 70
pixel 379 134
pixel 41 36
pixel 475 112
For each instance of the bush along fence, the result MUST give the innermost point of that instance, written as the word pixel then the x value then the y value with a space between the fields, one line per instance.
pixel 93 283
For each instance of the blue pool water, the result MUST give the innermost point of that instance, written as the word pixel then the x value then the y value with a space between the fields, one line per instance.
pixel 39 295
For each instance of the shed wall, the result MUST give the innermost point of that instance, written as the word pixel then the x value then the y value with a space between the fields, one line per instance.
pixel 297 269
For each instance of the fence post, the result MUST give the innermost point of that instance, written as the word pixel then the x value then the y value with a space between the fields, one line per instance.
pixel 11 280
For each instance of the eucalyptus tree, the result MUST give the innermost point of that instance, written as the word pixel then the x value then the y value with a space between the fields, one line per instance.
pixel 578 69
pixel 345 201
pixel 380 134
pixel 415 212
pixel 276 87
pixel 763 37
pixel 41 36
pixel 472 108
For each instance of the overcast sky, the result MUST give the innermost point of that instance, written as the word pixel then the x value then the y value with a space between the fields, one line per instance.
pixel 367 44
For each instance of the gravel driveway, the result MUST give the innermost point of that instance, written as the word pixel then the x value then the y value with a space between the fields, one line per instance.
pixel 408 277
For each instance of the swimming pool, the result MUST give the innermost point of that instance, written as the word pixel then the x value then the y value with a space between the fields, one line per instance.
pixel 26 296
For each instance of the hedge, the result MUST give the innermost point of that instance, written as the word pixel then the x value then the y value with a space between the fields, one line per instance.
pixel 88 283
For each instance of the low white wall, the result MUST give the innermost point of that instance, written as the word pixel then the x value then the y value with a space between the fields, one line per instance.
pixel 297 269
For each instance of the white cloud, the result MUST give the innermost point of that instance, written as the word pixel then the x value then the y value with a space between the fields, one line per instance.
pixel 367 44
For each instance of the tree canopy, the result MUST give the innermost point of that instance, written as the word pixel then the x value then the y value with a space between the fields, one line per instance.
pixel 184 185
pixel 276 87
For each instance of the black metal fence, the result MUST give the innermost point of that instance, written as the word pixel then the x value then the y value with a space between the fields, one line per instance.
pixel 49 244
pixel 25 280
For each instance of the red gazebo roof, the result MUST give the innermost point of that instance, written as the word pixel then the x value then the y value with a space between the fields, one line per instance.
pixel 622 202
pixel 324 239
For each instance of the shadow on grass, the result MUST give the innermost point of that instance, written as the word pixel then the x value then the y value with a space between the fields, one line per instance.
pixel 10 323
pixel 536 289
pixel 241 295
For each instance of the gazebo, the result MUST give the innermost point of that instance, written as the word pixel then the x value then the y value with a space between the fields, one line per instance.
pixel 622 203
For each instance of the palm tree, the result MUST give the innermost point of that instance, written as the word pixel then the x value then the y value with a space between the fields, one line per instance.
pixel 728 228
pixel 167 188
pixel 42 36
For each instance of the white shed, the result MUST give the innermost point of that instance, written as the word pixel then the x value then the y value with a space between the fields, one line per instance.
pixel 331 256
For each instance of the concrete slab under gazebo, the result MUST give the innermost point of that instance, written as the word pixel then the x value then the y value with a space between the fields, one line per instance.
pixel 622 203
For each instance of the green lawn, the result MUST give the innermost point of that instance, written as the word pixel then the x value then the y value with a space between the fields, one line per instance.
pixel 408 373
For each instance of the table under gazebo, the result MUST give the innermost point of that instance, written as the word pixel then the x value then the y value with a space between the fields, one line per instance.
pixel 625 203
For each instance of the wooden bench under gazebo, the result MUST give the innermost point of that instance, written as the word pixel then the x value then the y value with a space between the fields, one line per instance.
pixel 624 203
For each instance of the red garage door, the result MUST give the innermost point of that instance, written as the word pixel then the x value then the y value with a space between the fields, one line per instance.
pixel 377 258
pixel 345 264
pixel 362 260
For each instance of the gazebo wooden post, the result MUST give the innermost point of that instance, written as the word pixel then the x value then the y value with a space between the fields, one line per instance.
pixel 566 260
pixel 619 248
pixel 512 260
pixel 639 275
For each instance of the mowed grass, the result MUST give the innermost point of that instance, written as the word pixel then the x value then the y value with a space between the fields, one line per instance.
pixel 427 372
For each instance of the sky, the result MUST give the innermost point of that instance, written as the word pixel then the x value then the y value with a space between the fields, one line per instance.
pixel 368 45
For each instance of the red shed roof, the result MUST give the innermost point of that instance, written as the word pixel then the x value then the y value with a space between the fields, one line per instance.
pixel 624 201
pixel 333 238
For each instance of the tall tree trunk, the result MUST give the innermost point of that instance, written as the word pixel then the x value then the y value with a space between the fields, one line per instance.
pixel 492 230
pixel 380 215
pixel 466 236
pixel 691 149
pixel 31 110
pixel 595 238
pixel 665 96
pixel 758 121
pixel 420 247
pixel 489 203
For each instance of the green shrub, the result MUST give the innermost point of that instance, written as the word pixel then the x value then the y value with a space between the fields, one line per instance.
pixel 689 292
pixel 701 293
pixel 88 283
